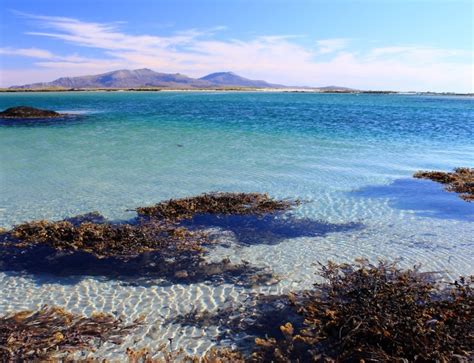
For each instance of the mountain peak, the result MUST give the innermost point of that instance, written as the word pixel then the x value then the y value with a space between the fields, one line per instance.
pixel 232 79
pixel 142 70
pixel 222 73
pixel 145 77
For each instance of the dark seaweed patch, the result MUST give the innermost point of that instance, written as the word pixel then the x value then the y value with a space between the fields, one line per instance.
pixel 156 229
pixel 213 355
pixel 166 242
pixel 360 313
pixel 106 239
pixel 217 204
pixel 378 313
pixel 44 334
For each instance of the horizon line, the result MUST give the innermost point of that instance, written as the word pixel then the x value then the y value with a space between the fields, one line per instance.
pixel 18 87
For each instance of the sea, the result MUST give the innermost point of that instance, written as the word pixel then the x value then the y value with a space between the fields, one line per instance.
pixel 349 159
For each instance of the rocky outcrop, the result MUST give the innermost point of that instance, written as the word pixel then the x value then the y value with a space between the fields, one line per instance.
pixel 22 112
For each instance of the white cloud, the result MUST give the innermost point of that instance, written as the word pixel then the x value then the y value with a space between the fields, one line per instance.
pixel 278 59
pixel 27 52
pixel 326 46
pixel 419 54
pixel 107 36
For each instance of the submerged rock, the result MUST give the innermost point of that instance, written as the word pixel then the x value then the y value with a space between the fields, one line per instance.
pixel 21 112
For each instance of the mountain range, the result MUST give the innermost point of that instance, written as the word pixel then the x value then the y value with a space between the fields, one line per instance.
pixel 143 78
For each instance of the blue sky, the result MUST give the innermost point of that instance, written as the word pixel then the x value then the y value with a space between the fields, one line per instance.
pixel 400 45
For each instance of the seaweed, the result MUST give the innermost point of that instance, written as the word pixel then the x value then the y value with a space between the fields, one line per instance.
pixel 461 181
pixel 156 229
pixel 106 239
pixel 143 249
pixel 216 203
pixel 140 250
pixel 51 331
pixel 360 312
pixel 214 355
pixel 365 312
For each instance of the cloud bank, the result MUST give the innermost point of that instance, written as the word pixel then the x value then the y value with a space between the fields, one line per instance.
pixel 277 59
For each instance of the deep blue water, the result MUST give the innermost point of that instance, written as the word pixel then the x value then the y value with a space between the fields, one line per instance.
pixel 138 147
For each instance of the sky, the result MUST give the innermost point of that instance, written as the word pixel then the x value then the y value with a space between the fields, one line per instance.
pixel 401 45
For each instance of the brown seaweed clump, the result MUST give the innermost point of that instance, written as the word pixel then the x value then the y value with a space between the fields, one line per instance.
pixel 379 313
pixel 158 228
pixel 361 313
pixel 51 331
pixel 461 181
pixel 216 203
pixel 105 239
pixel 214 355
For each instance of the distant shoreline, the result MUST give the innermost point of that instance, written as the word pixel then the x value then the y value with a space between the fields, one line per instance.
pixel 229 89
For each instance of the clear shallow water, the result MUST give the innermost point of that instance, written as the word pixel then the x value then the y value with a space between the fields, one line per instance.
pixel 350 157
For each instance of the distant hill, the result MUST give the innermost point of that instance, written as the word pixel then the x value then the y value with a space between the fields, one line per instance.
pixel 124 78
pixel 335 89
pixel 232 79
pixel 143 78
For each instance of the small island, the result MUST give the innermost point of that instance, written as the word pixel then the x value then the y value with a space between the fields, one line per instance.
pixel 22 112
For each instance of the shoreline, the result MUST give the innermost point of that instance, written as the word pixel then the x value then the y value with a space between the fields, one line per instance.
pixel 236 89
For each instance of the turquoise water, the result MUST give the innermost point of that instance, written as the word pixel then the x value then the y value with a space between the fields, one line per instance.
pixel 349 157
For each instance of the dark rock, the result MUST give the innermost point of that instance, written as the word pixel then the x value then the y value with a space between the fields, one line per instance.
pixel 28 112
